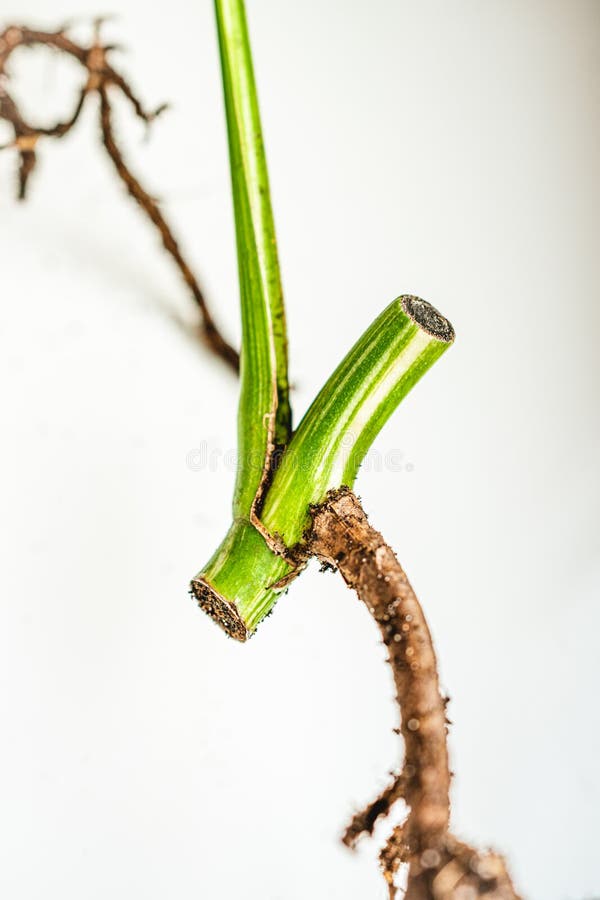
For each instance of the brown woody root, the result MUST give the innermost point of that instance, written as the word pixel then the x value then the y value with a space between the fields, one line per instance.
pixel 439 867
pixel 101 79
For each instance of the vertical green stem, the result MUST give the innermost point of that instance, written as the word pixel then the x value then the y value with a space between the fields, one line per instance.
pixel 264 409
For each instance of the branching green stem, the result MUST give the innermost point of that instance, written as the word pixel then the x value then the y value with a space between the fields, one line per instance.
pixel 271 505
pixel 239 586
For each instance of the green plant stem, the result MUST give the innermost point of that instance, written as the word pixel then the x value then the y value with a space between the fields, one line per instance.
pixel 264 419
pixel 348 413
pixel 237 585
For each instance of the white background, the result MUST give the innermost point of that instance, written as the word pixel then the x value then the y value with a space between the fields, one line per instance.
pixel 444 149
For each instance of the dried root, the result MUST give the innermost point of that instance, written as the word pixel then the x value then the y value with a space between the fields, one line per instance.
pixel 101 79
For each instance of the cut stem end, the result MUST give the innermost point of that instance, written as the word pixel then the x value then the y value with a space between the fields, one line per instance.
pixel 220 610
pixel 428 318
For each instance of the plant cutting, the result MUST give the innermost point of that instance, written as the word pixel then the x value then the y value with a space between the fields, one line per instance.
pixel 293 497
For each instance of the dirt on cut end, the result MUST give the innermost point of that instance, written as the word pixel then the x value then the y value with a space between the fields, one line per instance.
pixel 220 610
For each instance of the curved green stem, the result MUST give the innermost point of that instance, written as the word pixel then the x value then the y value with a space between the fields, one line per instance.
pixel 348 413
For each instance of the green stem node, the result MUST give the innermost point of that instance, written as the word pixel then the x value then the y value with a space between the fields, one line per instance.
pixel 237 586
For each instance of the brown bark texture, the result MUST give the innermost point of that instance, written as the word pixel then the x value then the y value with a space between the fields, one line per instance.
pixel 439 866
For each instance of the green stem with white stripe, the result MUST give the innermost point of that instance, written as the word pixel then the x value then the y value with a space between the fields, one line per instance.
pixel 264 410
